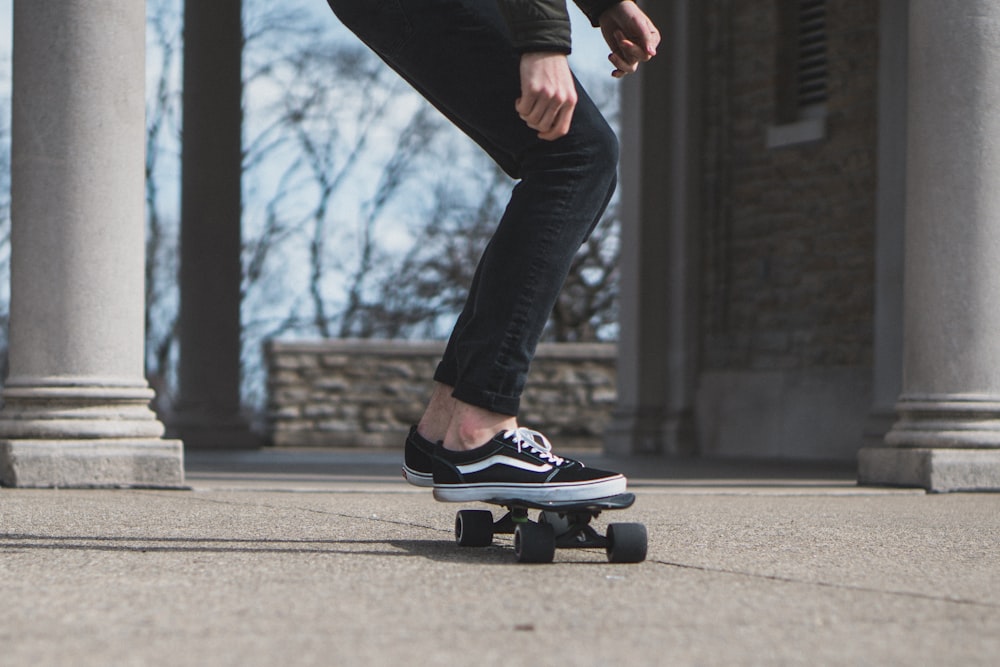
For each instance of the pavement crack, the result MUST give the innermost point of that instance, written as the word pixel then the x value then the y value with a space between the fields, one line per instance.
pixel 827 584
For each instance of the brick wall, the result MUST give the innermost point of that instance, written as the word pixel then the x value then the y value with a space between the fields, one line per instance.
pixel 788 232
pixel 339 393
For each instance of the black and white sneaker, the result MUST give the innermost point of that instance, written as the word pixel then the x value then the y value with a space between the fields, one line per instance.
pixel 417 459
pixel 518 464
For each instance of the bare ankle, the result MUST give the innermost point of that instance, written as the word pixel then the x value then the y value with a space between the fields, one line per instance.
pixel 434 423
pixel 473 427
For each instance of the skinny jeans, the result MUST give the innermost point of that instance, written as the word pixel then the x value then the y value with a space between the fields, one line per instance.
pixel 458 55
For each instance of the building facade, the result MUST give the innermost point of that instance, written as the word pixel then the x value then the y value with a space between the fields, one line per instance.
pixel 809 265
pixel 809 192
pixel 787 231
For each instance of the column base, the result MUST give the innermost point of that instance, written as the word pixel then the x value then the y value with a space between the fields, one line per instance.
pixel 105 463
pixel 879 423
pixel 942 421
pixel 940 470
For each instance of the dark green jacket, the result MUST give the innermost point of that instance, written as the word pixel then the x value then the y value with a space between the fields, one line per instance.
pixel 543 25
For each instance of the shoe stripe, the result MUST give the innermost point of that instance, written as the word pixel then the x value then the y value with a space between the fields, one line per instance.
pixel 500 459
pixel 532 485
pixel 573 492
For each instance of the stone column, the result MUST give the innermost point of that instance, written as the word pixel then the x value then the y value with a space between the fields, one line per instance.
pixel 658 342
pixel 887 376
pixel 207 410
pixel 947 436
pixel 76 404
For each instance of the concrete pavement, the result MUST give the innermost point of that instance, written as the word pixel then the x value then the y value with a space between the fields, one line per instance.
pixel 328 558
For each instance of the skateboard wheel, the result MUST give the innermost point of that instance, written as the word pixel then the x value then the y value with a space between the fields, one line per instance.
pixel 474 528
pixel 627 543
pixel 534 543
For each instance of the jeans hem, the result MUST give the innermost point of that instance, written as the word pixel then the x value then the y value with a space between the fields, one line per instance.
pixel 487 400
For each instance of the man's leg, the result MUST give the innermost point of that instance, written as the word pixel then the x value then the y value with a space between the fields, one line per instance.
pixel 457 54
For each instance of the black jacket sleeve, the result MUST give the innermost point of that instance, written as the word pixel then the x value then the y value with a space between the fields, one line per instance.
pixel 543 25
pixel 594 8
pixel 537 25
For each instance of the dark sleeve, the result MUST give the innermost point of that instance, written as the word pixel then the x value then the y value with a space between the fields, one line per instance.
pixel 538 25
pixel 594 8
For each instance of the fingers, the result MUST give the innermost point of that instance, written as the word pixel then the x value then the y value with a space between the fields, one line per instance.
pixel 652 41
pixel 627 54
pixel 648 38
pixel 642 33
pixel 550 116
pixel 548 94
pixel 631 35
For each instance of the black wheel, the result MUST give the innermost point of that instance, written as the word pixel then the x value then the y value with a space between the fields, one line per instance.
pixel 474 528
pixel 627 543
pixel 534 543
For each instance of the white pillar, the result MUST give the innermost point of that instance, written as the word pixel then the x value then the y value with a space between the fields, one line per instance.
pixel 76 403
pixel 948 433
pixel 207 410
pixel 660 177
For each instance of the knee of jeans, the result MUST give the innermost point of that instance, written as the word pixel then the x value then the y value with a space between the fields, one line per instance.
pixel 601 150
pixel 589 152
pixel 605 143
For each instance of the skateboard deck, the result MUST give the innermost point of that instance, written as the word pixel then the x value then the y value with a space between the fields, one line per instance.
pixel 559 525
pixel 618 502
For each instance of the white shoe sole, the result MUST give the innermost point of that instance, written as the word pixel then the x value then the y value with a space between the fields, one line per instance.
pixel 542 493
pixel 424 479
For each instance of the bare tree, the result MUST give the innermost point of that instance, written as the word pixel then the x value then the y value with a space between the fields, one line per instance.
pixel 586 309
pixel 162 145
pixel 425 295
pixel 423 298
pixel 412 141
pixel 333 101
pixel 343 165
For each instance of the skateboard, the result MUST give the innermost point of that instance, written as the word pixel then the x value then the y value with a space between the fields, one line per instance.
pixel 560 525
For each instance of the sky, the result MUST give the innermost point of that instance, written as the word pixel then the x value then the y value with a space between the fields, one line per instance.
pixel 590 52
pixel 589 60
pixel 589 57
pixel 6 9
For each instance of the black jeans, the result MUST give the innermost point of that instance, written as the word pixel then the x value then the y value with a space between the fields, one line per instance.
pixel 457 54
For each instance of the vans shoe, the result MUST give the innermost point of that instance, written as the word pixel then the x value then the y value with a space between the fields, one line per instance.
pixel 417 456
pixel 519 464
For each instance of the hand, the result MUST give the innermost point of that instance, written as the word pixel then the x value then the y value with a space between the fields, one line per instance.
pixel 631 35
pixel 548 94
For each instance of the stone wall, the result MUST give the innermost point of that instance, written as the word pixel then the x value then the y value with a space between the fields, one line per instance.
pixel 788 231
pixel 788 240
pixel 358 393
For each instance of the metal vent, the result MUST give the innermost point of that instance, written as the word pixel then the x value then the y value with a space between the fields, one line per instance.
pixel 812 73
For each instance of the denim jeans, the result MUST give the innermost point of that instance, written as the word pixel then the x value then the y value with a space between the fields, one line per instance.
pixel 457 54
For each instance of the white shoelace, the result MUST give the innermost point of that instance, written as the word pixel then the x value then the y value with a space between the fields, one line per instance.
pixel 525 437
